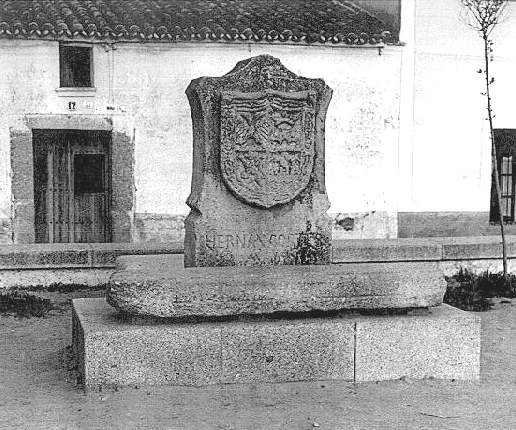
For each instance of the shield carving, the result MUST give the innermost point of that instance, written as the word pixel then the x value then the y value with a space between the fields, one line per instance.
pixel 267 144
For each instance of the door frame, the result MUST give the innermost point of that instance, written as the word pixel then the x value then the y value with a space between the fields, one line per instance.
pixel 122 168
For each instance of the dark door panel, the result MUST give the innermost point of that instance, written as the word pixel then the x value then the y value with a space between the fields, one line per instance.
pixel 71 186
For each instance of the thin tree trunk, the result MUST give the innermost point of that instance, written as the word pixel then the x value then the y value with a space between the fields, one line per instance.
pixel 494 154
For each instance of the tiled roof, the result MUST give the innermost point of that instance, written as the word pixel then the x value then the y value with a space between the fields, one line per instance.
pixel 301 21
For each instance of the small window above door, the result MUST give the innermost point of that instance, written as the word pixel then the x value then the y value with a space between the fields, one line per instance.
pixel 75 66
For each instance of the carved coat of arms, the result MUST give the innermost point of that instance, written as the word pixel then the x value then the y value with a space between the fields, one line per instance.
pixel 267 144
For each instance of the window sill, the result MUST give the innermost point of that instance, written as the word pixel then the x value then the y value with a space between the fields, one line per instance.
pixel 76 92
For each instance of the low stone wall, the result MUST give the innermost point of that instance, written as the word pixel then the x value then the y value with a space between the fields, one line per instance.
pixel 448 224
pixel 93 263
pixel 476 254
pixel 81 263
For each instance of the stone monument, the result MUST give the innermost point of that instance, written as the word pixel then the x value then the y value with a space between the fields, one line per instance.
pixel 258 298
pixel 258 168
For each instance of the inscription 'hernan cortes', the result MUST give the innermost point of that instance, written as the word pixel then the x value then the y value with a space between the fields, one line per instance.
pixel 267 144
pixel 247 240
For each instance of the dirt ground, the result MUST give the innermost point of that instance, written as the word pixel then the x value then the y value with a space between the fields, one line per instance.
pixel 37 390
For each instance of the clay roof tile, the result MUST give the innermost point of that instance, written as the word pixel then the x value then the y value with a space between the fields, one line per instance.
pixel 304 21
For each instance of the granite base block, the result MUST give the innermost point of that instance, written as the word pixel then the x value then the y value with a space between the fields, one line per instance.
pixel 113 352
pixel 444 344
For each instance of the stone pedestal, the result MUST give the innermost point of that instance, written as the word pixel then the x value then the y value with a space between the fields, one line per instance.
pixel 445 343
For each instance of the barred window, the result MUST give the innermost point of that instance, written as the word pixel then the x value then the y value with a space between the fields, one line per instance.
pixel 505 141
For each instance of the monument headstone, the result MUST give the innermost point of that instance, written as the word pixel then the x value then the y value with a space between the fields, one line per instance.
pixel 258 194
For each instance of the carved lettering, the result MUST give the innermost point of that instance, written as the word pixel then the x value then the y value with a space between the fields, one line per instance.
pixel 247 240
pixel 220 240
pixel 240 242
pixel 230 241
pixel 210 241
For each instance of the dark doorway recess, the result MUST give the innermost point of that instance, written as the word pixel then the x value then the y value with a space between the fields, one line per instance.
pixel 72 189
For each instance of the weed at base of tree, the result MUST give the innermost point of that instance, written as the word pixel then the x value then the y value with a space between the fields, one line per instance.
pixel 471 292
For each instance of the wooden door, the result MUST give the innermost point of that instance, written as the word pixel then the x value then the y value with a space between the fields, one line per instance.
pixel 71 182
pixel 89 160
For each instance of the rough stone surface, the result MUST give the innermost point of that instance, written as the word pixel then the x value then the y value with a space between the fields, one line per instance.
pixel 370 250
pixel 111 352
pixel 30 277
pixel 163 290
pixel 288 350
pixel 444 344
pixel 455 248
pixel 449 224
pixel 258 194
pixel 77 255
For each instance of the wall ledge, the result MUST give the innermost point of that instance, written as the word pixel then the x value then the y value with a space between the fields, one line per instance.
pixel 77 255
pixel 104 255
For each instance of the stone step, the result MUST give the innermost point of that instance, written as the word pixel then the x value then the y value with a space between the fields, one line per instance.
pixel 150 287
pixel 445 344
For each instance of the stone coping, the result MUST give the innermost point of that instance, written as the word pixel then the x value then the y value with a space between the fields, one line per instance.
pixel 421 249
pixel 77 255
pixel 104 255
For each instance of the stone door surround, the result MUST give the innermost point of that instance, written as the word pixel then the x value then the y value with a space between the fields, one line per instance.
pixel 22 185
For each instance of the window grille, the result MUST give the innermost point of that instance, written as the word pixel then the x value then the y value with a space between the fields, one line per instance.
pixel 506 188
pixel 505 141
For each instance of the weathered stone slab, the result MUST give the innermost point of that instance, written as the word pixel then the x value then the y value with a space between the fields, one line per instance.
pixel 165 291
pixel 146 263
pixel 107 254
pixel 444 344
pixel 378 250
pixel 457 248
pixel 258 194
pixel 111 352
pixel 43 256
pixel 76 255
